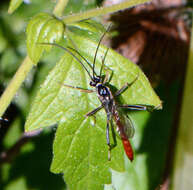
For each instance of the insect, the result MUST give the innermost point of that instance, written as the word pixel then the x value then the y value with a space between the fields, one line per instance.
pixel 113 111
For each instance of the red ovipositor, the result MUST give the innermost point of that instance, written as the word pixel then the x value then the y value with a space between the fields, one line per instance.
pixel 128 149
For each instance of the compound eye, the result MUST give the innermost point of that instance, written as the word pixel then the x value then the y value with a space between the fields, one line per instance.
pixel 103 92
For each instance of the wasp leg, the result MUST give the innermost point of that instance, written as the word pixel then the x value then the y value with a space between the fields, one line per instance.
pixel 108 75
pixel 108 138
pixel 93 111
pixel 111 146
pixel 125 86
pixel 79 88
pixel 113 135
pixel 134 107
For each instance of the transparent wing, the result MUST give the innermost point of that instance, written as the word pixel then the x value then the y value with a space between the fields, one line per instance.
pixel 125 127
pixel 128 127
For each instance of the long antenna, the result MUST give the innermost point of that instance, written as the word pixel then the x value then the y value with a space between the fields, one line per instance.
pixel 98 48
pixel 103 61
pixel 81 57
pixel 67 50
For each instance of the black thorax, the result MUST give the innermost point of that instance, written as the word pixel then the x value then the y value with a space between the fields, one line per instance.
pixel 106 97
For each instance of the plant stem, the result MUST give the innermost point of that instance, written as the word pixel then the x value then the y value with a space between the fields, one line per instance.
pixel 14 85
pixel 183 164
pixel 25 67
pixel 102 11
pixel 9 155
pixel 59 8
pixel 27 64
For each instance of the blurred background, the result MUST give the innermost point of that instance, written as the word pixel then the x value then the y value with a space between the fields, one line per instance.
pixel 156 36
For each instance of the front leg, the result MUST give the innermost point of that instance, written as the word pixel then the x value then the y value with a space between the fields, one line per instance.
pixel 79 88
pixel 108 75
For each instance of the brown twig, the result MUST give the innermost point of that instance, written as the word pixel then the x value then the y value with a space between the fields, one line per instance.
pixel 7 156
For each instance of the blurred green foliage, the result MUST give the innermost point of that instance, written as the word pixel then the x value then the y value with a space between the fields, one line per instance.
pixel 30 169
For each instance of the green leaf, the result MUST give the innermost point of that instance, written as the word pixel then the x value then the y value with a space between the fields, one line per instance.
pixel 81 153
pixel 3 41
pixel 80 150
pixel 13 134
pixel 89 29
pixel 53 99
pixel 42 28
pixel 140 92
pixel 14 4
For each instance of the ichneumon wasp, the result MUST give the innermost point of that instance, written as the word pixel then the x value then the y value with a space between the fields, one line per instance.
pixel 99 82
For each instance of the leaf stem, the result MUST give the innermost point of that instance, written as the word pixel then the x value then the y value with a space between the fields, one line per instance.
pixel 102 11
pixel 59 8
pixel 25 67
pixel 14 85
